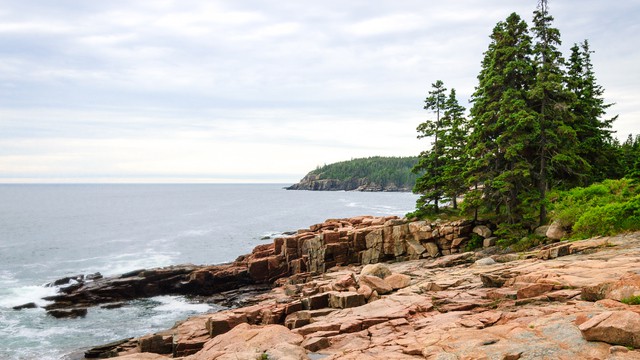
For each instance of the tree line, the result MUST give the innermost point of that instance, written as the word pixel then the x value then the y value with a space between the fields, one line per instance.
pixel 379 170
pixel 537 122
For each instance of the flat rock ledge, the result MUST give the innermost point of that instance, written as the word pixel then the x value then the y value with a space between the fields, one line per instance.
pixel 335 242
pixel 558 302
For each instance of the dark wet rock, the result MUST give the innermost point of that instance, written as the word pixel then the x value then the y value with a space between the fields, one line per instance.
pixel 107 350
pixel 30 305
pixel 68 313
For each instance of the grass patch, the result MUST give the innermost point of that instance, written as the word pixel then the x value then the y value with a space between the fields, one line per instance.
pixel 631 300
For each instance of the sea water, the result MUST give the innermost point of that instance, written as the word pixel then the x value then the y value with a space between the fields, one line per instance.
pixel 52 231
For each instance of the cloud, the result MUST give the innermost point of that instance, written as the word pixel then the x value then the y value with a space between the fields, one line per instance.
pixel 254 88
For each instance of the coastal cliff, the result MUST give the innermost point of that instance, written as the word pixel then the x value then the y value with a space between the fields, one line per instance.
pixel 384 287
pixel 315 183
pixel 366 174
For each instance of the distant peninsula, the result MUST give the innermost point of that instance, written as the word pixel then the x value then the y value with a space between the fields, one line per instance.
pixel 365 174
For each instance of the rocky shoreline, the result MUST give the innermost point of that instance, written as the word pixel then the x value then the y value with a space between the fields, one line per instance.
pixel 313 182
pixel 384 287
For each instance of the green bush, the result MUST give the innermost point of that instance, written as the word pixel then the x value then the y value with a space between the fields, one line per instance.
pixel 606 208
pixel 632 300
pixel 475 242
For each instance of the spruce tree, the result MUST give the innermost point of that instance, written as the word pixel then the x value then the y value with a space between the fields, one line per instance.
pixel 453 143
pixel 500 144
pixel 594 141
pixel 555 152
pixel 431 162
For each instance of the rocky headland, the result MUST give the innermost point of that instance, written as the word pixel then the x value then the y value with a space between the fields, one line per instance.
pixel 384 287
pixel 315 183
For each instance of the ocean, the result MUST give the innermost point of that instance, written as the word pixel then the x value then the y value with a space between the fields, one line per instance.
pixel 48 232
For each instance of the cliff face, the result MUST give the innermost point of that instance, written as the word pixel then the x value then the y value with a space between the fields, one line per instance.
pixel 314 183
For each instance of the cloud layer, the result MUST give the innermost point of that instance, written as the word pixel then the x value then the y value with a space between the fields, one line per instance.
pixel 253 90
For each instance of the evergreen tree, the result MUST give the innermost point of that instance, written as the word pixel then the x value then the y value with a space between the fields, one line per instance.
pixel 499 146
pixel 594 141
pixel 630 157
pixel 455 157
pixel 556 136
pixel 430 164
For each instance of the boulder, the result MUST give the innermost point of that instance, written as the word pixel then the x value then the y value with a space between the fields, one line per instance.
pixel 345 282
pixel 379 270
pixel 556 231
pixel 297 319
pixel 347 299
pixel 314 302
pixel 613 327
pixel 314 344
pixel 482 230
pixel 398 281
pixel 222 322
pixel 365 290
pixel 68 313
pixel 541 231
pixel 375 283
pixel 533 290
pixel 156 344
pixel 432 249
pixel 489 242
pixel 30 305
pixel 485 262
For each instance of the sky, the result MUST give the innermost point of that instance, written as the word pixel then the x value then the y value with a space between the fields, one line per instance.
pixel 256 91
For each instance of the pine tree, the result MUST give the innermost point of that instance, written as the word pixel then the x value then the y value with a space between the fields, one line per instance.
pixel 503 124
pixel 551 100
pixel 594 141
pixel 430 164
pixel 453 143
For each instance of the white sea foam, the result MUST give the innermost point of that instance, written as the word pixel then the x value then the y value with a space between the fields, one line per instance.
pixel 122 263
pixel 26 294
pixel 179 304
pixel 271 234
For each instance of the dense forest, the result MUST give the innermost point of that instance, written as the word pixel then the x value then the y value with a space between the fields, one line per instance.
pixel 370 173
pixel 537 126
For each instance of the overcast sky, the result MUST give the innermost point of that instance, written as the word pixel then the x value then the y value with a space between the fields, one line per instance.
pixel 256 91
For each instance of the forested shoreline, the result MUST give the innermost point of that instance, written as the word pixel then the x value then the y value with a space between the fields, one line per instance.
pixel 537 125
pixel 375 173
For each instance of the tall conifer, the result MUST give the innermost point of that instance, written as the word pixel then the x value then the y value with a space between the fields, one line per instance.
pixel 431 161
pixel 442 165
pixel 503 124
pixel 555 151
pixel 594 141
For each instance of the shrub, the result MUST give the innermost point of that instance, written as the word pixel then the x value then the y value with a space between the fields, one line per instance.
pixel 606 208
pixel 475 242
pixel 632 300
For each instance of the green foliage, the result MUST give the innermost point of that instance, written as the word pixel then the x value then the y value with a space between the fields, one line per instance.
pixel 503 123
pixel 537 127
pixel 606 208
pixel 629 157
pixel 632 300
pixel 594 142
pixel 382 171
pixel 510 234
pixel 475 242
pixel 441 165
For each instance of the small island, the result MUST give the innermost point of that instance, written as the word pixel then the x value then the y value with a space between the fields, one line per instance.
pixel 365 174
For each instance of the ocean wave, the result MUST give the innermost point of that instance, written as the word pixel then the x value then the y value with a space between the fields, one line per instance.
pixel 180 304
pixel 26 294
